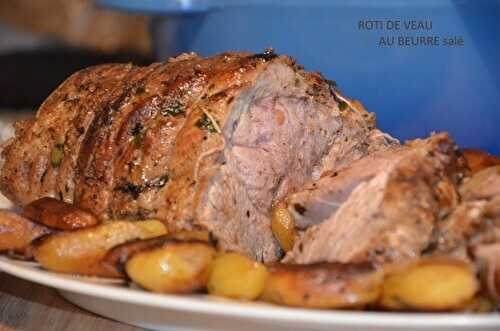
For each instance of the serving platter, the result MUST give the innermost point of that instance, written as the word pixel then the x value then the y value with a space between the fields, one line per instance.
pixel 117 300
pixel 130 305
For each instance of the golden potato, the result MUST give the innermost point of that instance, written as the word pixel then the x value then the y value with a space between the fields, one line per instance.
pixel 58 214
pixel 283 226
pixel 430 284
pixel 116 258
pixel 81 251
pixel 17 232
pixel 175 267
pixel 326 285
pixel 236 276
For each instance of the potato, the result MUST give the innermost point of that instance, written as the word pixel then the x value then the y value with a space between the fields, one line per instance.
pixel 431 284
pixel 283 226
pixel 479 160
pixel 81 251
pixel 17 232
pixel 116 258
pixel 236 276
pixel 326 285
pixel 176 267
pixel 58 214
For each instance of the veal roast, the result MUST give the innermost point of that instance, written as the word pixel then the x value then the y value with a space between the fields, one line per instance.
pixel 199 143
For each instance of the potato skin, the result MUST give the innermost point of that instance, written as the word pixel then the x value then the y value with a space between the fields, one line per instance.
pixel 479 160
pixel 429 284
pixel 117 257
pixel 58 214
pixel 325 285
pixel 82 251
pixel 237 276
pixel 17 232
pixel 283 226
pixel 175 267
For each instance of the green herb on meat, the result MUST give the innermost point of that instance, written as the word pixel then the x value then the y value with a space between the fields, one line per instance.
pixel 135 190
pixel 206 123
pixel 173 109
pixel 138 134
pixel 342 105
pixel 56 155
pixel 130 188
pixel 332 83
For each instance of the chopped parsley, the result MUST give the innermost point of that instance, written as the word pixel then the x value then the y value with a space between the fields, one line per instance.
pixel 56 155
pixel 135 190
pixel 206 123
pixel 342 105
pixel 173 109
pixel 138 134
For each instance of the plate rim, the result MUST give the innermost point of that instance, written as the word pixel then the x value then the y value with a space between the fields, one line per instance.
pixel 235 309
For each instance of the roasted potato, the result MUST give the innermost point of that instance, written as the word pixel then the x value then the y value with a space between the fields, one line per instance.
pixel 82 251
pixel 326 285
pixel 479 160
pixel 116 258
pixel 431 284
pixel 236 276
pixel 58 214
pixel 175 267
pixel 283 226
pixel 17 232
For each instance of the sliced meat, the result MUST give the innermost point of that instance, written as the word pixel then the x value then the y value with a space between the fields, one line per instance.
pixel 391 216
pixel 487 256
pixel 472 231
pixel 477 219
pixel 200 143
pixel 485 184
pixel 359 137
pixel 479 160
pixel 322 198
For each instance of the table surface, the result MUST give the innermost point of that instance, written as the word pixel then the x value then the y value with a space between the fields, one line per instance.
pixel 28 306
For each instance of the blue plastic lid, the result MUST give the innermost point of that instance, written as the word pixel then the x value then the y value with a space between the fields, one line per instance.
pixel 174 7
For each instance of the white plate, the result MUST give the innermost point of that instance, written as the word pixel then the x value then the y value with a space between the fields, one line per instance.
pixel 170 312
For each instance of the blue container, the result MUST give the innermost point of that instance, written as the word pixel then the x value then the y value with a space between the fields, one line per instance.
pixel 414 89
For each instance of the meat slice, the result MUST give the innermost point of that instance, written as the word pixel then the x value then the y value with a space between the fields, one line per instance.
pixel 320 199
pixel 359 137
pixel 476 221
pixel 200 143
pixel 392 215
pixel 485 184
pixel 472 230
